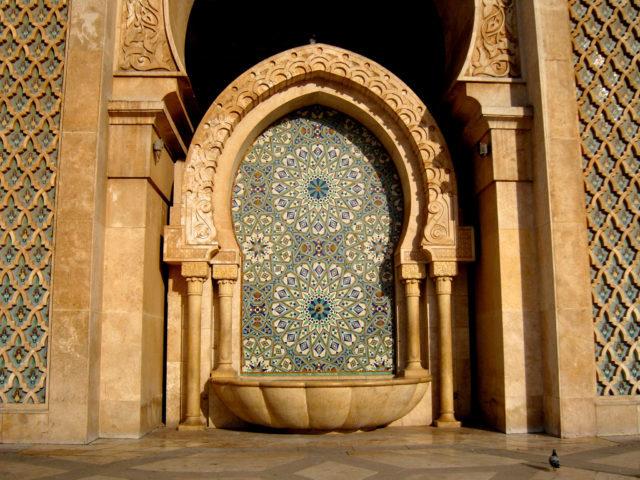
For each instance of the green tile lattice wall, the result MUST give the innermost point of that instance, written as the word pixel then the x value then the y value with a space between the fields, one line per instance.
pixel 606 51
pixel 32 49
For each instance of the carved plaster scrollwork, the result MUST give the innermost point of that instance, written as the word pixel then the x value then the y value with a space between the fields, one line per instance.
pixel 144 45
pixel 300 65
pixel 495 53
pixel 440 228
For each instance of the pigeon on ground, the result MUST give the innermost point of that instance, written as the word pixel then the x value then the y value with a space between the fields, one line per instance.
pixel 554 460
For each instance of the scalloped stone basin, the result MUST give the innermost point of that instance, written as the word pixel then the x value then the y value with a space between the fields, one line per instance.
pixel 320 404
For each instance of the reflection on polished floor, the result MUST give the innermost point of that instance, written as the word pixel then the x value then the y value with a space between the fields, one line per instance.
pixel 394 452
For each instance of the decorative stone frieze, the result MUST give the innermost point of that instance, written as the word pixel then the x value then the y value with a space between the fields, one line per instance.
pixel 144 45
pixel 495 53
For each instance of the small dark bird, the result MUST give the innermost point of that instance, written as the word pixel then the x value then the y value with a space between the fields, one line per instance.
pixel 554 460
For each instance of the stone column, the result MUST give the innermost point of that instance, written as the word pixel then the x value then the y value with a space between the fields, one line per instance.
pixel 195 273
pixel 412 276
pixel 443 273
pixel 225 276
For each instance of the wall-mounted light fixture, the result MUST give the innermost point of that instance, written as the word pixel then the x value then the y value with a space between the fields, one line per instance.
pixel 158 145
pixel 484 149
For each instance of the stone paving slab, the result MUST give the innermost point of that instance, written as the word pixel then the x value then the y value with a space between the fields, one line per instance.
pixel 388 453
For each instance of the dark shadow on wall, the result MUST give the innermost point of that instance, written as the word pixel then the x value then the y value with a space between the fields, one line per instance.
pixel 224 39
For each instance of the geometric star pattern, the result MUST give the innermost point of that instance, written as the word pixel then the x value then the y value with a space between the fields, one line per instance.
pixel 32 48
pixel 317 211
pixel 606 52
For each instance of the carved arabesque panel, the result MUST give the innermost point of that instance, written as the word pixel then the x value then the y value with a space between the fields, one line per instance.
pixel 144 45
pixel 32 48
pixel 606 46
pixel 299 65
pixel 495 53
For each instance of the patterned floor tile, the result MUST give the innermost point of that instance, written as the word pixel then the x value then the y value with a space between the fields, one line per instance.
pixel 453 476
pixel 217 461
pixel 335 471
pixel 25 471
pixel 577 474
pixel 433 458
pixel 627 460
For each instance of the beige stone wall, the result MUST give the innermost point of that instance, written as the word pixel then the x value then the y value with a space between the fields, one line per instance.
pixel 534 349
pixel 567 339
pixel 533 319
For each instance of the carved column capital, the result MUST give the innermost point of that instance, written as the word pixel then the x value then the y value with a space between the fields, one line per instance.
pixel 411 271
pixel 195 270
pixel 412 287
pixel 225 288
pixel 443 285
pixel 221 273
pixel 195 273
pixel 443 269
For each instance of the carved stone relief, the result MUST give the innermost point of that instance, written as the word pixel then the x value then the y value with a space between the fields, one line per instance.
pixel 495 53
pixel 300 65
pixel 144 45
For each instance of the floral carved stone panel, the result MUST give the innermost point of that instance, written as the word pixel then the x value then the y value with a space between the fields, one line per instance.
pixel 144 44
pixel 495 53
pixel 317 209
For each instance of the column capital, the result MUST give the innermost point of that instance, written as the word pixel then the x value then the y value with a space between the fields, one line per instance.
pixel 443 285
pixel 195 269
pixel 220 273
pixel 412 271
pixel 443 269
pixel 412 287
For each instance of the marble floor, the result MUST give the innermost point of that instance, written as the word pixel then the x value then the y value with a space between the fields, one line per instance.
pixel 388 453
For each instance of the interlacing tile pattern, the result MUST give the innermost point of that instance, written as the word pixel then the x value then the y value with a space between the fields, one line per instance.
pixel 32 49
pixel 606 49
pixel 317 209
pixel 408 453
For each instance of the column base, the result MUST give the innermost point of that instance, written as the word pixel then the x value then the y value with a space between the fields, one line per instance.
pixel 447 423
pixel 191 424
pixel 415 372
pixel 224 371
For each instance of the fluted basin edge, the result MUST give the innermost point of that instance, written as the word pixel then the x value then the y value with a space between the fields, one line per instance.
pixel 320 404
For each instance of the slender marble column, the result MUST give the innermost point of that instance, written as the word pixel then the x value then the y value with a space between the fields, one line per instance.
pixel 443 275
pixel 195 274
pixel 411 276
pixel 225 276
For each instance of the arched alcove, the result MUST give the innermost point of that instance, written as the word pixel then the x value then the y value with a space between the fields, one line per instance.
pixel 362 89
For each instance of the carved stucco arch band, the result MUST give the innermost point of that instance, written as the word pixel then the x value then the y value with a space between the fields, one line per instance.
pixel 298 66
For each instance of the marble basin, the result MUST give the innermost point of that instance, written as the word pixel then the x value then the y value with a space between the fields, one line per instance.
pixel 325 404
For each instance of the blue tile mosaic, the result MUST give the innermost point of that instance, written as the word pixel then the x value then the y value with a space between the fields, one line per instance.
pixel 317 210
